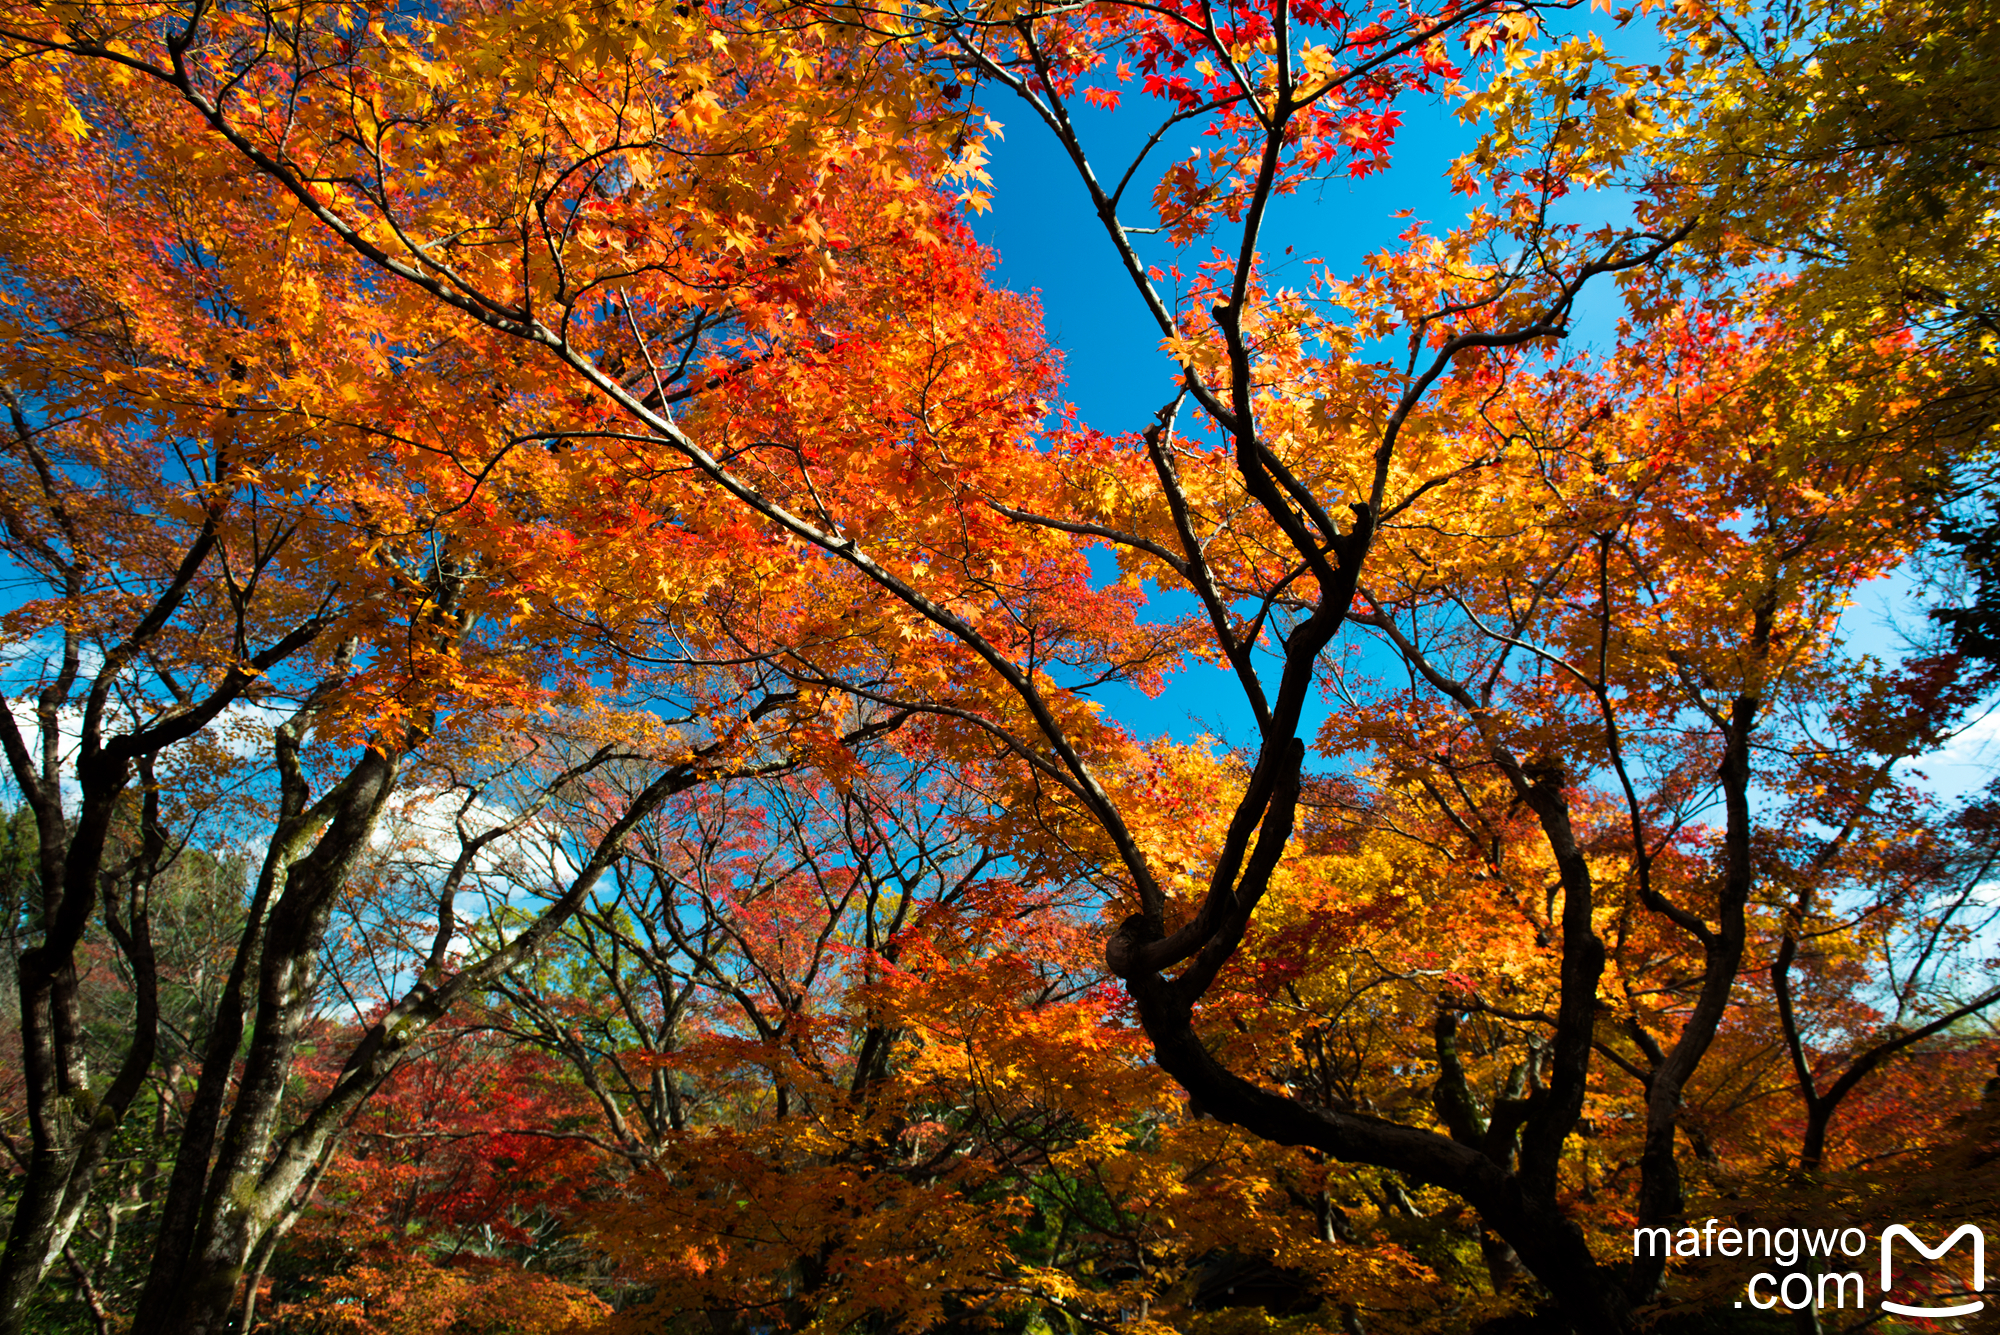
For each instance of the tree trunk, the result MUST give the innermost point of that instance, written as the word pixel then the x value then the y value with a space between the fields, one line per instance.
pixel 1547 1242
pixel 197 1269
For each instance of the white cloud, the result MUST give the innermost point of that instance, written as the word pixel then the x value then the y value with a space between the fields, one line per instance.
pixel 1967 762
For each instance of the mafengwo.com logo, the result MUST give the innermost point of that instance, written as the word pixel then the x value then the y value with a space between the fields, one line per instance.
pixel 1819 1283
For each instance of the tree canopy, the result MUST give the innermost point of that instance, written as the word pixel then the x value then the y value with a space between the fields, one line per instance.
pixel 565 660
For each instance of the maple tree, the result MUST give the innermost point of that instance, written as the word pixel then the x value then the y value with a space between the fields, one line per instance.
pixel 1855 146
pixel 304 557
pixel 1857 141
pixel 442 1209
pixel 629 409
pixel 862 1069
pixel 1692 607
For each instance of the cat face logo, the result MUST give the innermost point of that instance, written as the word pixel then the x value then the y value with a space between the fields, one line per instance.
pixel 1932 1254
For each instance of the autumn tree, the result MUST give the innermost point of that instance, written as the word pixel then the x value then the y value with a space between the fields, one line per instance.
pixel 303 557
pixel 447 1204
pixel 1858 142
pixel 1576 656
pixel 981 561
pixel 1624 571
pixel 862 1070
pixel 1861 975
pixel 1857 147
